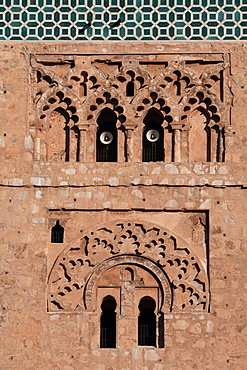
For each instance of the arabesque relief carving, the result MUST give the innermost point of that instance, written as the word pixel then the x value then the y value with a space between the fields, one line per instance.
pixel 80 88
pixel 180 274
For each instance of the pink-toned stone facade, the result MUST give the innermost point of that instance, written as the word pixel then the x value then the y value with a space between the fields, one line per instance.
pixel 171 228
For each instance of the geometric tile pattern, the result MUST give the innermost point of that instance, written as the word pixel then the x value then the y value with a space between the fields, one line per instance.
pixel 136 20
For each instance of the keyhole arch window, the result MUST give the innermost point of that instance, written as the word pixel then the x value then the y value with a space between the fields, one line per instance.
pixel 108 323
pixel 147 322
pixel 153 137
pixel 106 136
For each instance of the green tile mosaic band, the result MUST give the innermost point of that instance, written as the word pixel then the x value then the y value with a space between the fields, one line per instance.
pixel 123 20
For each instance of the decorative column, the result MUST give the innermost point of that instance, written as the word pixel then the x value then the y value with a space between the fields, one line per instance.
pixel 82 141
pixel 221 150
pixel 121 144
pixel 37 144
pixel 37 149
pixel 229 143
pixel 127 324
pixel 177 154
pixel 177 127
pixel 129 142
pixel 129 145
pixel 87 143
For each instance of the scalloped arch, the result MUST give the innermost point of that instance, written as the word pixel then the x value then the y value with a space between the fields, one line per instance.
pixel 147 264
pixel 204 104
pixel 50 101
pixel 167 251
pixel 103 99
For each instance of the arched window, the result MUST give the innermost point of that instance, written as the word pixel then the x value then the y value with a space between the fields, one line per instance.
pixel 199 137
pixel 147 322
pixel 130 88
pixel 153 137
pixel 57 232
pixel 108 323
pixel 107 136
pixel 63 136
pixel 58 136
pixel 128 274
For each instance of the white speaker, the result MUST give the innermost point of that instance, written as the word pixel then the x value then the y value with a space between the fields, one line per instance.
pixel 106 138
pixel 152 135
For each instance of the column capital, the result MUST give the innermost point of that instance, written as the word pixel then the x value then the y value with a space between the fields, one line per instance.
pixel 83 126
pixel 129 126
pixel 177 126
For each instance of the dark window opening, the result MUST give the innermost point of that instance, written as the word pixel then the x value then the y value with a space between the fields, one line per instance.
pixel 208 132
pixel 67 142
pixel 75 143
pixel 161 324
pixel 57 233
pixel 108 323
pixel 65 150
pixel 107 137
pixel 153 137
pixel 130 89
pixel 147 323
pixel 83 89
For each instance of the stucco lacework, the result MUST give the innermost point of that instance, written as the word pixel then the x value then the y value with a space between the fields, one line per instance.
pixel 181 277
pixel 187 97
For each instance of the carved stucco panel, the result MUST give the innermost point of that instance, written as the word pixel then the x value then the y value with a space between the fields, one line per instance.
pixel 156 248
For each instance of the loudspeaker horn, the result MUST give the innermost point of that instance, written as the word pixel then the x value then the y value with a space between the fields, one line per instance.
pixel 106 138
pixel 152 135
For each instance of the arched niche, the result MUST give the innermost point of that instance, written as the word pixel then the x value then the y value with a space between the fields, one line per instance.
pixel 128 274
pixel 58 136
pixel 155 276
pixel 63 137
pixel 106 136
pixel 127 281
pixel 147 322
pixel 168 257
pixel 199 137
pixel 153 137
pixel 206 137
pixel 108 323
pixel 58 117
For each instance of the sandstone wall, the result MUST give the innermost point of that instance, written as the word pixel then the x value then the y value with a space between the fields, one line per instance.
pixel 35 193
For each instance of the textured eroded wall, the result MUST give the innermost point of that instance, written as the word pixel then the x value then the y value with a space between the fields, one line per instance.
pixel 34 194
